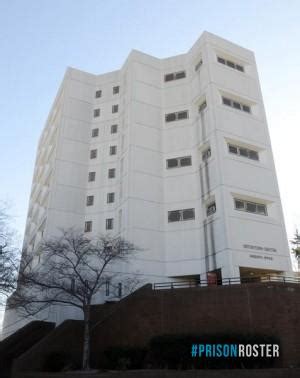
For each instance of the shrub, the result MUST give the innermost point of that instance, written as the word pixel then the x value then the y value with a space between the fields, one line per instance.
pixel 58 361
pixel 174 352
pixel 123 358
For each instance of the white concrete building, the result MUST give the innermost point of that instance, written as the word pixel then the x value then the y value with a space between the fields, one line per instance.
pixel 174 155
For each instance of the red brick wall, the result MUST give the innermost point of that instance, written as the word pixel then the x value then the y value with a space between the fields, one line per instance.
pixel 270 308
pixel 263 308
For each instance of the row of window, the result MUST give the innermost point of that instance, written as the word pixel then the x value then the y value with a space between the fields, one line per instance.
pixel 177 116
pixel 236 104
pixel 206 154
pixel 110 198
pixel 184 114
pixel 250 207
pixel 114 109
pixel 179 162
pixel 183 161
pixel 107 287
pixel 113 130
pixel 109 225
pixel 242 151
pixel 189 214
pixel 111 174
pixel 231 64
pixel 115 90
pixel 241 205
pixel 185 214
pixel 182 74
pixel 112 151
pixel 175 76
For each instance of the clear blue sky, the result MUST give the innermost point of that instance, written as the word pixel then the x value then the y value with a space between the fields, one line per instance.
pixel 40 38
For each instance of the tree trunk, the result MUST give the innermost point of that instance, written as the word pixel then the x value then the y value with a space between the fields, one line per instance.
pixel 86 338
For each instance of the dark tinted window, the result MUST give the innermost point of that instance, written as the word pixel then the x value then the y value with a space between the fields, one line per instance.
pixel 226 101
pixel 188 214
pixel 182 115
pixel 186 161
pixel 174 216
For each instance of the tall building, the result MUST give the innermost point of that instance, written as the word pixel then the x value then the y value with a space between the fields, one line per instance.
pixel 172 154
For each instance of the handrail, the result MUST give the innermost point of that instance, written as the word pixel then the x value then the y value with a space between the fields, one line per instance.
pixel 224 281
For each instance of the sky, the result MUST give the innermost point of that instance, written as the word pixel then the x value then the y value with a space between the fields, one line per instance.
pixel 39 39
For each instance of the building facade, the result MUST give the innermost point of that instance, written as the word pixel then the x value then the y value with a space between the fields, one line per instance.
pixel 172 154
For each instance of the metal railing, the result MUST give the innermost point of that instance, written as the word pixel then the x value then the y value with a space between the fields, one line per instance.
pixel 225 282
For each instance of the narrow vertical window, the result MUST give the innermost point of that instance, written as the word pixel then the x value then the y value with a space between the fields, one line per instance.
pixel 109 224
pixel 115 109
pixel 98 93
pixel 88 226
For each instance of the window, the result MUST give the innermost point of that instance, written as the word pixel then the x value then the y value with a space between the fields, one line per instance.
pixel 113 129
pixel 226 101
pixel 116 90
pixel 246 108
pixel 95 133
pixel 239 205
pixel 179 162
pixel 92 176
pixel 188 214
pixel 175 76
pixel 211 209
pixel 233 149
pixel 244 152
pixel 182 115
pixel 198 65
pixel 231 64
pixel 109 224
pixel 107 284
pixel 96 113
pixel 206 154
pixel 89 200
pixel 250 207
pixel 120 219
pixel 98 93
pixel 113 150
pixel 253 155
pixel 93 154
pixel 186 161
pixel 111 173
pixel 88 226
pixel 110 197
pixel 169 77
pixel 236 105
pixel 170 117
pixel 120 289
pixel 115 109
pixel 202 106
pixel 172 163
pixel 181 215
pixel 180 75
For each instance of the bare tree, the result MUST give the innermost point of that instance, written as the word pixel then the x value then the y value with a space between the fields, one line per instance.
pixel 296 244
pixel 71 271
pixel 9 255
